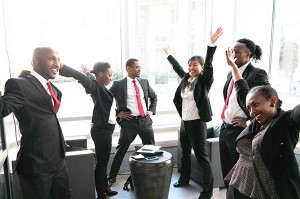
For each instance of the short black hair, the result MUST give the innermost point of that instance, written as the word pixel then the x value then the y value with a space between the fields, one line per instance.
pixel 197 58
pixel 130 62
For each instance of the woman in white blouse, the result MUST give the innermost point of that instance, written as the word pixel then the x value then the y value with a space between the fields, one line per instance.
pixel 192 103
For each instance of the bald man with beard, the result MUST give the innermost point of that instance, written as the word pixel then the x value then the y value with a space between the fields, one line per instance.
pixel 40 161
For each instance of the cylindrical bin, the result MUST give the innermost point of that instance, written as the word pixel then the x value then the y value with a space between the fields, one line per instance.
pixel 152 178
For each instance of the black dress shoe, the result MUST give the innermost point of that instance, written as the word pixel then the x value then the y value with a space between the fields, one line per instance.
pixel 110 192
pixel 101 193
pixel 204 197
pixel 101 197
pixel 181 183
pixel 110 181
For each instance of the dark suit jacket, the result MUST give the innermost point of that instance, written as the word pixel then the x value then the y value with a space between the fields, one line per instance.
pixel 201 88
pixel 102 98
pixel 277 149
pixel 119 91
pixel 254 77
pixel 42 142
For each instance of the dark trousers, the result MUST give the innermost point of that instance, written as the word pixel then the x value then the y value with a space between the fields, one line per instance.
pixel 193 134
pixel 233 193
pixel 53 183
pixel 129 130
pixel 228 135
pixel 102 138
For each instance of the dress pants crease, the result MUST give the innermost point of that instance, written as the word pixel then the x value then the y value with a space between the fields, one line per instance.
pixel 193 135
pixel 53 183
pixel 129 130
pixel 102 138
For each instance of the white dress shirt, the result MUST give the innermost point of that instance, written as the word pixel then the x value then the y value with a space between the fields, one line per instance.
pixel 43 82
pixel 131 97
pixel 41 79
pixel 233 109
pixel 189 107
pixel 112 113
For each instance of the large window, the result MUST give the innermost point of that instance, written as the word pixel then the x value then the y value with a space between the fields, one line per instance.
pixel 285 68
pixel 157 24
pixel 88 31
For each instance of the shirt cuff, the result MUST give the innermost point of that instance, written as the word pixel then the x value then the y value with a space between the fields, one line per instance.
pixel 212 45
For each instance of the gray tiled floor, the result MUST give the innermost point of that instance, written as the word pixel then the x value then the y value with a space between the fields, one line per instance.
pixel 188 192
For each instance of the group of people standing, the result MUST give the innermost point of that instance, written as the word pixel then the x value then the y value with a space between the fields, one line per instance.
pixel 134 104
pixel 257 137
pixel 35 101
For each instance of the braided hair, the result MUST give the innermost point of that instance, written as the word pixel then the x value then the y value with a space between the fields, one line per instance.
pixel 255 50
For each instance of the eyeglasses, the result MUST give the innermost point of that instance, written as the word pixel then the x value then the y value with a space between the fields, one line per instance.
pixel 136 67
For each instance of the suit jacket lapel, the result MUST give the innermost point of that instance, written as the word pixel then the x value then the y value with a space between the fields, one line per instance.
pixel 144 91
pixel 227 85
pixel 142 85
pixel 56 91
pixel 125 89
pixel 37 84
pixel 247 70
pixel 244 75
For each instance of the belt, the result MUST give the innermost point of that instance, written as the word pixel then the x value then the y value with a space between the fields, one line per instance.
pixel 108 125
pixel 137 117
pixel 228 126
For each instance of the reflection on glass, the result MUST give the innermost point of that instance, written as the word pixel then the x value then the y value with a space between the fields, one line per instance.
pixel 286 66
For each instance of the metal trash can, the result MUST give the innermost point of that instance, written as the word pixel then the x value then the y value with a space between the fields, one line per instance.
pixel 152 178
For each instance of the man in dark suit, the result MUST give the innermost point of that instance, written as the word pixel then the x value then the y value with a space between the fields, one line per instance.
pixel 40 161
pixel 133 117
pixel 235 114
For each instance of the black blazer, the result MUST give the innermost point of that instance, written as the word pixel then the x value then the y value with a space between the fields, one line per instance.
pixel 277 149
pixel 254 77
pixel 201 88
pixel 42 143
pixel 102 98
pixel 119 91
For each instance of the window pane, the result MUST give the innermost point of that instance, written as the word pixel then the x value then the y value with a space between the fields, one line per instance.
pixel 179 25
pixel 285 63
pixel 238 21
pixel 117 30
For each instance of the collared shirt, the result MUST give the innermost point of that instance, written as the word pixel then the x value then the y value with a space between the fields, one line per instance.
pixel 189 106
pixel 233 109
pixel 43 82
pixel 131 97
pixel 41 79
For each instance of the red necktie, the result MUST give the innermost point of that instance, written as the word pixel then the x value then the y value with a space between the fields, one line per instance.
pixel 138 98
pixel 227 98
pixel 56 102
